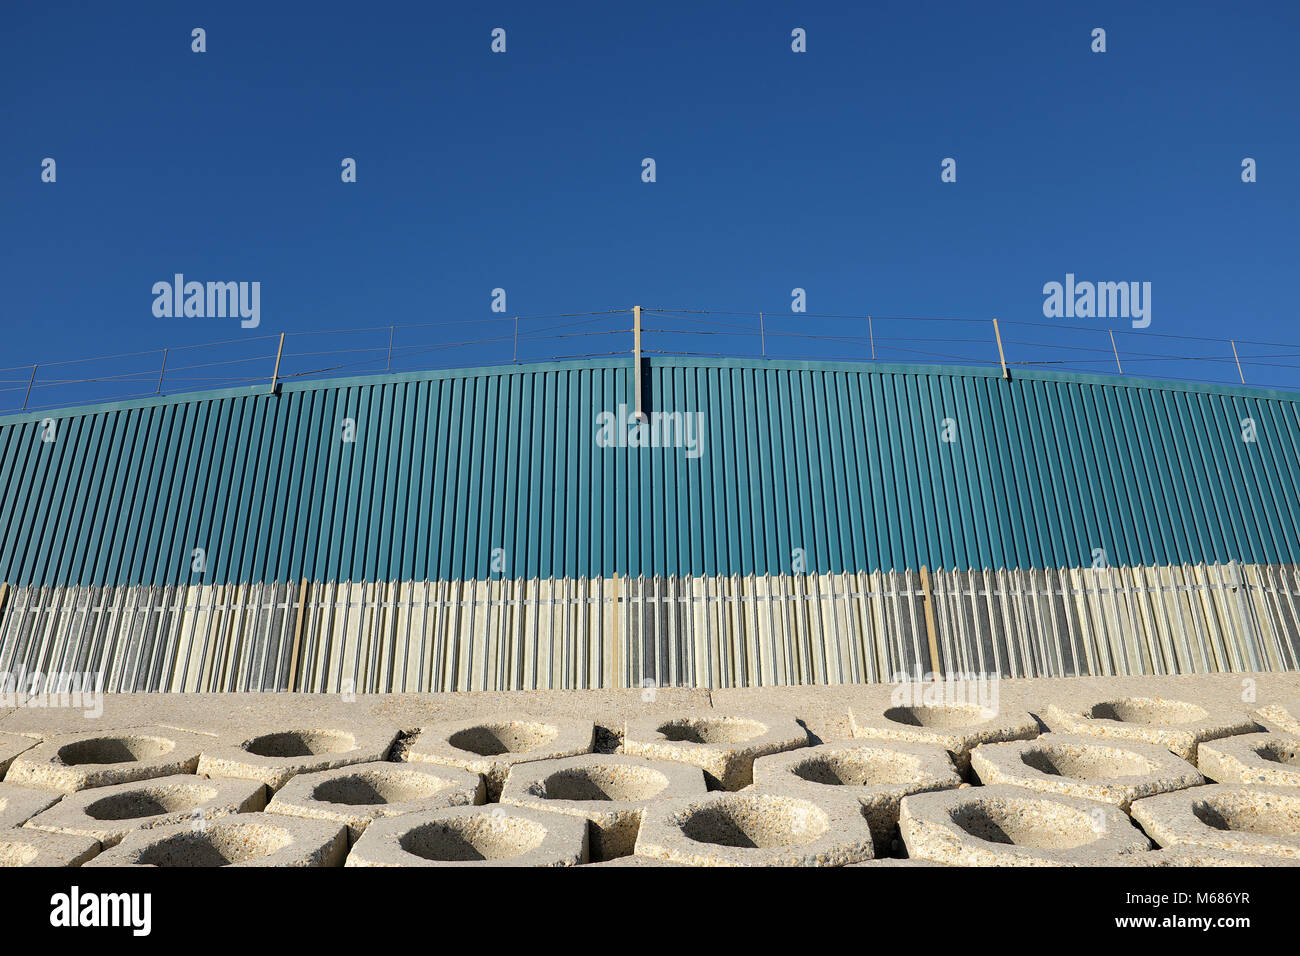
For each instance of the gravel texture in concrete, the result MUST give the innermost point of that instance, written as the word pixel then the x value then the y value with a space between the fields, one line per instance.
pixel 609 791
pixel 24 847
pixel 1239 818
pixel 1270 759
pixel 275 756
pixel 756 829
pixel 11 745
pixel 495 835
pixel 1281 717
pixel 958 728
pixel 100 759
pixel 109 814
pixel 247 839
pixel 1010 826
pixel 359 794
pixel 1178 725
pixel 1088 767
pixel 19 804
pixel 724 746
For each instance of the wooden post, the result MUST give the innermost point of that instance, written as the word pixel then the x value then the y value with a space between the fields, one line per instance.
pixel 1237 360
pixel 871 331
pixel 275 375
pixel 930 629
pixel 636 364
pixel 162 372
pixel 30 383
pixel 1002 356
pixel 762 334
pixel 299 622
pixel 1111 333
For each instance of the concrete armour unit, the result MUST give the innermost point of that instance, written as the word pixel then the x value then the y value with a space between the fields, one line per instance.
pixel 1087 767
pixel 1011 826
pixel 245 839
pixel 359 794
pixel 609 791
pixel 20 804
pixel 958 728
pixel 24 847
pixel 1199 856
pixel 1239 818
pixel 1281 717
pixel 755 829
pixel 72 762
pixel 492 746
pixel 1173 724
pixel 877 773
pixel 723 746
pixel 11 745
pixel 276 756
pixel 1270 759
pixel 492 835
pixel 109 814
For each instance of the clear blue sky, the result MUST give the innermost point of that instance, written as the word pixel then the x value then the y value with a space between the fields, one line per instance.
pixel 523 171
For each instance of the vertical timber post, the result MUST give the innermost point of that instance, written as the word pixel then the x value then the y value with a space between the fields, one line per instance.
pixel 1002 356
pixel 275 374
pixel 930 632
pixel 297 634
pixel 636 364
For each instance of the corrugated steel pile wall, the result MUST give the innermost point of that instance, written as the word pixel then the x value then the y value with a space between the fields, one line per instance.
pixel 468 530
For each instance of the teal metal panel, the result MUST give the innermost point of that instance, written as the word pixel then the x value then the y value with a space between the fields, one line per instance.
pixel 843 461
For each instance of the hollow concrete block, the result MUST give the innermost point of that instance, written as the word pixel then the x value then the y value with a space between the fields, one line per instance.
pixel 491 746
pixel 1281 717
pixel 24 847
pixel 609 791
pixel 877 773
pixel 244 839
pixel 359 794
pixel 11 745
pixel 108 814
pixel 958 728
pixel 1238 818
pixel 72 762
pixel 750 828
pixel 491 835
pixel 276 756
pixel 1003 825
pixel 723 746
pixel 1087 767
pixel 1269 759
pixel 1174 724
pixel 19 804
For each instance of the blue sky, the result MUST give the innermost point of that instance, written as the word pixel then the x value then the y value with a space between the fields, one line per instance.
pixel 522 171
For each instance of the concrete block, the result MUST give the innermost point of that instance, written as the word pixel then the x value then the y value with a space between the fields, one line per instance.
pixel 245 839
pixel 23 847
pixel 20 804
pixel 1239 818
pixel 723 746
pixel 72 762
pixel 492 746
pixel 1200 856
pixel 907 862
pixel 609 791
pixel 1174 724
pixel 11 745
pixel 1270 759
pixel 755 829
pixel 1281 717
pixel 108 814
pixel 877 773
pixel 1010 826
pixel 359 794
pixel 493 835
pixel 1087 767
pixel 275 757
pixel 958 728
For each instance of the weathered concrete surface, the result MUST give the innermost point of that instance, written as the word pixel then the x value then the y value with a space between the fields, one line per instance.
pixel 1199 856
pixel 248 839
pixel 876 773
pixel 1281 717
pixel 18 804
pixel 11 745
pixel 1010 826
pixel 958 728
pixel 495 835
pixel 1179 725
pixel 724 746
pixel 81 761
pixel 359 794
pixel 109 814
pixel 24 847
pixel 1270 759
pixel 1239 818
pixel 609 791
pixel 492 745
pixel 275 754
pixel 756 829
pixel 1087 767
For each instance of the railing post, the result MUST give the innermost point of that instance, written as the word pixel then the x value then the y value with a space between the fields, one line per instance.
pixel 1114 350
pixel 30 383
pixel 1237 359
pixel 275 374
pixel 1002 356
pixel 636 364
pixel 162 371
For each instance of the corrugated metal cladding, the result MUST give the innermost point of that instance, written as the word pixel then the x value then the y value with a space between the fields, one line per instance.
pixel 843 466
